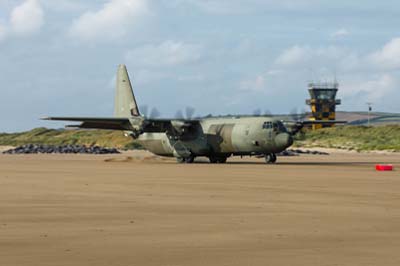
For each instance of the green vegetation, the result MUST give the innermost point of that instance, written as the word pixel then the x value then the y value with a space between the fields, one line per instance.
pixel 46 136
pixel 360 138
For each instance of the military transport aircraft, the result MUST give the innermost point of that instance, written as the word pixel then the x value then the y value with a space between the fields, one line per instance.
pixel 186 139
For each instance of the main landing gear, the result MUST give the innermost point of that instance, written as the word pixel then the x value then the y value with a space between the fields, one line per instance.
pixel 189 159
pixel 214 159
pixel 270 158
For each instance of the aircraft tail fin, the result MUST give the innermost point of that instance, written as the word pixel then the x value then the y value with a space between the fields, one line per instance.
pixel 125 103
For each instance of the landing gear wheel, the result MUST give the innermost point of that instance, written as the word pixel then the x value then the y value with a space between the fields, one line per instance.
pixel 217 159
pixel 270 158
pixel 222 160
pixel 274 158
pixel 180 160
pixel 189 159
pixel 213 159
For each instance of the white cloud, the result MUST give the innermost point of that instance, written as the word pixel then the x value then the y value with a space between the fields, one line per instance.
pixel 339 34
pixel 313 56
pixel 261 82
pixel 191 78
pixel 293 56
pixel 275 72
pixel 388 56
pixel 66 5
pixel 3 32
pixel 27 18
pixel 242 7
pixel 168 53
pixel 374 89
pixel 110 22
pixel 372 77
pixel 340 58
pixel 257 84
pixel 142 77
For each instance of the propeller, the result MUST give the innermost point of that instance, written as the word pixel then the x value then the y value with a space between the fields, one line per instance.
pixel 179 114
pixel 297 120
pixel 144 110
pixel 189 111
pixel 267 112
pixel 259 112
pixel 296 116
pixel 153 113
pixel 188 114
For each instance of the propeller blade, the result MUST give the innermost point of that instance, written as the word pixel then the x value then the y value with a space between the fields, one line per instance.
pixel 303 114
pixel 257 112
pixel 294 127
pixel 293 114
pixel 179 114
pixel 154 113
pixel 144 110
pixel 267 112
pixel 296 116
pixel 189 111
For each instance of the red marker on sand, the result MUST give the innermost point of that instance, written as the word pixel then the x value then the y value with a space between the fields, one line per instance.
pixel 384 167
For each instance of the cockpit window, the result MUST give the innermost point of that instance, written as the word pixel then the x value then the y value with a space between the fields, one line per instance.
pixel 267 125
pixel 277 126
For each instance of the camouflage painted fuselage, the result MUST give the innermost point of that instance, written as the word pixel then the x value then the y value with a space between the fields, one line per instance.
pixel 222 137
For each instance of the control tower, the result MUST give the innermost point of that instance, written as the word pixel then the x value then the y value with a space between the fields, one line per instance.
pixel 323 102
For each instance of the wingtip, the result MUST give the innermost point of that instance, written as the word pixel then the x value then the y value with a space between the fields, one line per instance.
pixel 45 118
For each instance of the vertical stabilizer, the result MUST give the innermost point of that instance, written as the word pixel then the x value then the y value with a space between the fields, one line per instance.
pixel 125 103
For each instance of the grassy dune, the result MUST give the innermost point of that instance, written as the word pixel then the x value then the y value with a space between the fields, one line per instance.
pixel 358 138
pixel 46 136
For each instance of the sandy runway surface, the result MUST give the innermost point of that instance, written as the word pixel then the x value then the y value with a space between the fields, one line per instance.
pixel 135 209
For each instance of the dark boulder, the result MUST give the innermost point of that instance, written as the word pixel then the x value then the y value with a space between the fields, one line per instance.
pixel 63 149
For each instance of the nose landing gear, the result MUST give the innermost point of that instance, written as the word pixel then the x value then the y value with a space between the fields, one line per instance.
pixel 189 159
pixel 270 158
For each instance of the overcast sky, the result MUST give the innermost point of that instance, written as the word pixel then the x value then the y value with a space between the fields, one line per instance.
pixel 221 57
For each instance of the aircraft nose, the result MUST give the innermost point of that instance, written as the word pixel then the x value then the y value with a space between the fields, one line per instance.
pixel 283 140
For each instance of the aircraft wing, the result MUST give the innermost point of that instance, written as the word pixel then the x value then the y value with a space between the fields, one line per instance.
pixel 313 122
pixel 325 122
pixel 174 127
pixel 96 122
pixel 296 126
